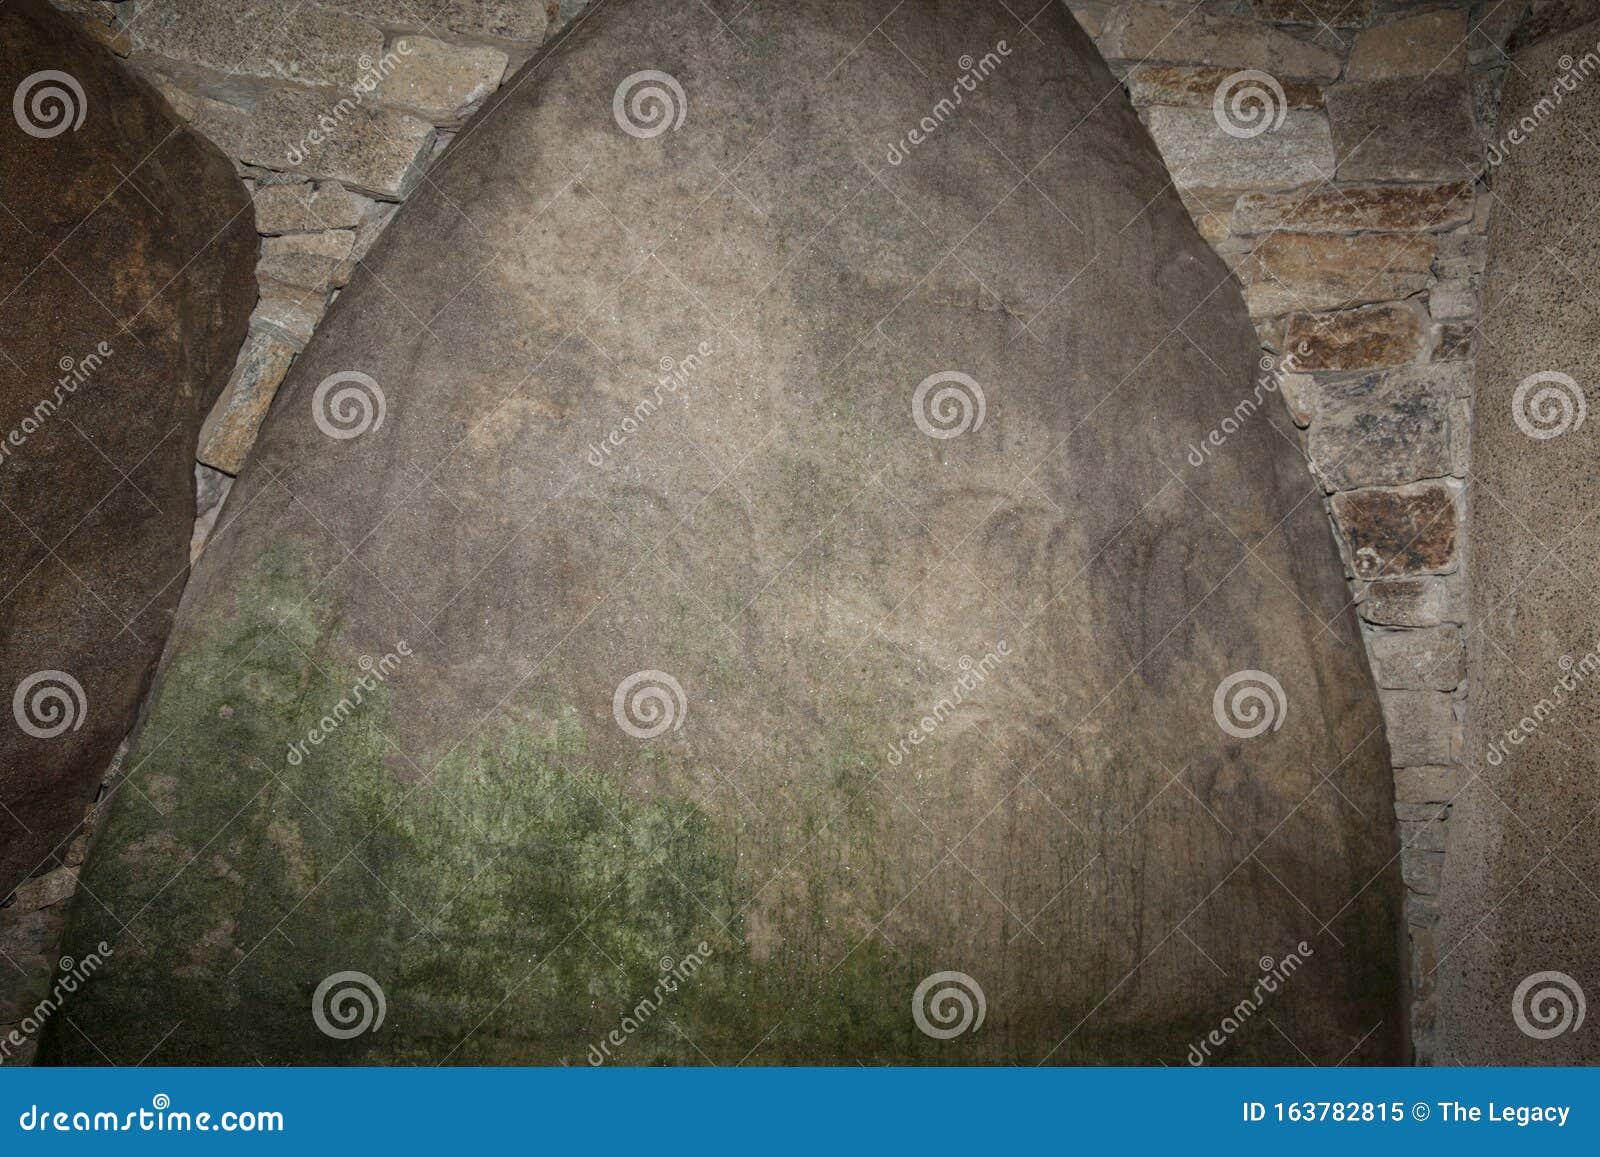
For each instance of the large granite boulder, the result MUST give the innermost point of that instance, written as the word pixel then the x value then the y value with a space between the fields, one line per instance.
pixel 744 573
pixel 126 254
pixel 1519 946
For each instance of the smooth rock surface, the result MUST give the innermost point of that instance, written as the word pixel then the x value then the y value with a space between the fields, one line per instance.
pixel 512 538
pixel 125 285
pixel 1524 832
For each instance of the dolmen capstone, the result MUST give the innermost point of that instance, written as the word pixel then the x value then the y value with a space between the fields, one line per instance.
pixel 127 250
pixel 728 583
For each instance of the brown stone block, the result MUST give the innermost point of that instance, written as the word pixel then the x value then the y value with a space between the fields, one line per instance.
pixel 1433 659
pixel 1318 271
pixel 1404 129
pixel 1404 602
pixel 1185 84
pixel 1427 44
pixel 1184 34
pixel 1333 13
pixel 1411 530
pixel 1358 208
pixel 231 430
pixel 1426 784
pixel 1358 339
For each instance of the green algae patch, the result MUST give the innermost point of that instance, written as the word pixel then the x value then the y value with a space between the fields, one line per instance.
pixel 515 903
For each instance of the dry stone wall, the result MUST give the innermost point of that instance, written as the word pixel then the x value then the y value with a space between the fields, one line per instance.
pixel 1337 153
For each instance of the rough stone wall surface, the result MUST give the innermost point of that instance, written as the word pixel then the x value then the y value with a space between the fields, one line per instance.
pixel 1519 929
pixel 1355 221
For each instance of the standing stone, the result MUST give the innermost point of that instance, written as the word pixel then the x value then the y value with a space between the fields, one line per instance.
pixel 126 249
pixel 774 569
pixel 1524 838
